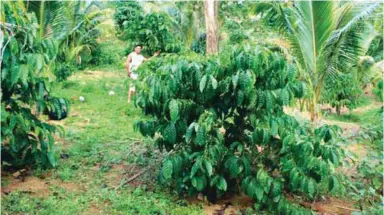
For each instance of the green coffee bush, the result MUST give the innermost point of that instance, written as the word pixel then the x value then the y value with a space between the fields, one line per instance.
pixel 222 119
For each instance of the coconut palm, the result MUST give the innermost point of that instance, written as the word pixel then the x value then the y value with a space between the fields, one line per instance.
pixel 76 26
pixel 325 38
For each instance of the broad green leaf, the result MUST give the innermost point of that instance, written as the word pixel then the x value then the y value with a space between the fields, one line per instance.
pixel 24 73
pixel 170 133
pixel 276 188
pixel 334 184
pixel 222 185
pixel 274 127
pixel 311 188
pixel 39 61
pixel 251 189
pixel 214 180
pixel 52 158
pixel 259 192
pixel 199 182
pixel 15 74
pixel 174 110
pixel 203 83
pixel 189 133
pixel 196 166
pixel 240 97
pixel 167 169
pixel 235 79
pixel 214 82
pixel 208 167
pixel 200 136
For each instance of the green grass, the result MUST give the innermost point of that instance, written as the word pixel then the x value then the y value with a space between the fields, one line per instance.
pixel 99 136
pixel 371 116
pixel 102 201
pixel 105 117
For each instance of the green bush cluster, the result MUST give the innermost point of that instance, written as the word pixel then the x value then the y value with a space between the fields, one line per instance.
pixel 63 71
pixel 378 90
pixel 199 45
pixel 222 119
pixel 25 86
pixel 153 31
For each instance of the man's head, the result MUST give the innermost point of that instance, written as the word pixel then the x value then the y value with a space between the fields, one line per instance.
pixel 138 49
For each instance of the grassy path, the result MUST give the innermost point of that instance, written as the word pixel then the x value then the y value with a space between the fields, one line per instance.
pixel 100 148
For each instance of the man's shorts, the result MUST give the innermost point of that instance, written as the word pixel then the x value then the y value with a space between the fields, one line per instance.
pixel 132 87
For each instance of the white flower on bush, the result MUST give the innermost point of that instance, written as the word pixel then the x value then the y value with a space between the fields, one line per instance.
pixel 111 93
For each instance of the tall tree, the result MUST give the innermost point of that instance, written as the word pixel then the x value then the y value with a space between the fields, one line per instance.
pixel 211 11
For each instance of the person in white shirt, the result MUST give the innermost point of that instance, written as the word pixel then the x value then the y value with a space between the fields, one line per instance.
pixel 134 60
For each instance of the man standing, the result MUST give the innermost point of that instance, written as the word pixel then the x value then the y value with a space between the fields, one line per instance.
pixel 134 60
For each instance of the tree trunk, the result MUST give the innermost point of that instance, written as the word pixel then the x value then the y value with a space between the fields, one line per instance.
pixel 211 10
pixel 313 109
pixel 338 110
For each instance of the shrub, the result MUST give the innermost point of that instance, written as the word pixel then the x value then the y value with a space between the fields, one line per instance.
pixel 26 140
pixel 378 90
pixel 109 52
pixel 153 31
pixel 342 90
pixel 222 120
pixel 237 36
pixel 63 71
pixel 199 45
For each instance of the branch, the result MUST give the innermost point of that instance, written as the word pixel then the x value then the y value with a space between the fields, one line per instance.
pixel 5 45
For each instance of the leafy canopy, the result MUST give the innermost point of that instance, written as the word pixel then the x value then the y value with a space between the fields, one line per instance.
pixel 223 121
pixel 25 84
pixel 153 31
pixel 325 37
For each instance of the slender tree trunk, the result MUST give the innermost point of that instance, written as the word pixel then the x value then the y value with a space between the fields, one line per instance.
pixel 211 10
pixel 313 109
pixel 41 32
pixel 338 110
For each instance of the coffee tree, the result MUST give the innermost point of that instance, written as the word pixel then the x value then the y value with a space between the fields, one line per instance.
pixel 342 91
pixel 223 122
pixel 25 85
pixel 153 31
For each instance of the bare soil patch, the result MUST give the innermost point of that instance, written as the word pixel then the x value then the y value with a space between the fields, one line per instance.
pixel 36 186
pixel 333 206
pixel 229 206
pixel 30 184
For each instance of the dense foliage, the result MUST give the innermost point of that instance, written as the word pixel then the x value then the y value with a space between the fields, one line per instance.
pixel 378 90
pixel 25 84
pixel 323 48
pixel 79 25
pixel 223 121
pixel 199 45
pixel 153 31
pixel 343 90
pixel 74 27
